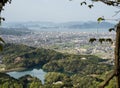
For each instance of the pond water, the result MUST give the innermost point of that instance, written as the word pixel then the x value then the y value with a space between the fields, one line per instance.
pixel 39 73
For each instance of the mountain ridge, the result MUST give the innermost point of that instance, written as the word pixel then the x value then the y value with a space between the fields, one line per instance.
pixel 52 25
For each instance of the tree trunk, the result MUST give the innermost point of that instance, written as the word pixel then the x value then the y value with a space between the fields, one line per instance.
pixel 117 56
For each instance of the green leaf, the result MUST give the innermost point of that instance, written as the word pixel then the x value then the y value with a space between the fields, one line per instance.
pixel 90 6
pixel 83 3
pixel 109 40
pixel 111 29
pixel 100 19
pixel 92 40
pixel 101 40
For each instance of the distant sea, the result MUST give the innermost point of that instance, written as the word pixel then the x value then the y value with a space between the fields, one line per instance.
pixel 71 30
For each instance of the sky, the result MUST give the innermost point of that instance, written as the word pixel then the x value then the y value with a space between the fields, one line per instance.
pixel 55 11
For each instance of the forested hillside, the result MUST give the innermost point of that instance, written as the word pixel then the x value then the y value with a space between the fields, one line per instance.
pixel 22 56
pixel 69 70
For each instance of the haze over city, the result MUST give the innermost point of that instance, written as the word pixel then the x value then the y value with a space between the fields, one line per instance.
pixel 55 11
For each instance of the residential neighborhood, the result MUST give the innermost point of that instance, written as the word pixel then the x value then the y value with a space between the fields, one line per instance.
pixel 67 42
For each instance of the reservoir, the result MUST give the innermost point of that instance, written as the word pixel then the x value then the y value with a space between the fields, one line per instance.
pixel 39 73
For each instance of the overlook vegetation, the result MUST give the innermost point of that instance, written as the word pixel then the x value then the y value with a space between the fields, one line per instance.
pixel 64 70
pixel 53 80
pixel 21 56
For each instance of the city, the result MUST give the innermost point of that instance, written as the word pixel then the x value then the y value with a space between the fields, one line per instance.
pixel 67 42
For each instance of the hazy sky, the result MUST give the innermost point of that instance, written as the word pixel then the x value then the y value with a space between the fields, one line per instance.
pixel 55 11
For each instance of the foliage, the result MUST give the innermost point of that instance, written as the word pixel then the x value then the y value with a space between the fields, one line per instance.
pixel 52 77
pixel 58 80
pixel 8 82
pixel 107 2
pixel 30 82
pixel 75 64
pixel 55 80
pixel 2 4
pixel 85 81
pixel 100 19
pixel 77 70
pixel 21 56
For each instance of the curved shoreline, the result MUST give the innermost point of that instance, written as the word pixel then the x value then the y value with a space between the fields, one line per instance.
pixel 15 69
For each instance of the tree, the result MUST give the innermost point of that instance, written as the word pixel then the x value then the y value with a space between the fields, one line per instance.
pixel 116 72
pixel 2 4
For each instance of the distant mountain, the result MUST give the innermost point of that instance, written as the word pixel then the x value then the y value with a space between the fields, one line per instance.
pixel 67 25
pixel 14 31
pixel 90 25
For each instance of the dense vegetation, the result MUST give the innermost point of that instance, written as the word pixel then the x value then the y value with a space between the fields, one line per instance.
pixel 54 80
pixel 64 70
pixel 8 82
pixel 21 56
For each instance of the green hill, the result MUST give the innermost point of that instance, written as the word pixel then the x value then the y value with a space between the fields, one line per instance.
pixel 65 70
pixel 22 56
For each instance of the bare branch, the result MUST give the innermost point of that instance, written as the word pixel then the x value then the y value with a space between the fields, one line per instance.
pixel 107 80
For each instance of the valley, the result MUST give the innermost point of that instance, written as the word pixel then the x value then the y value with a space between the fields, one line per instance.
pixel 67 57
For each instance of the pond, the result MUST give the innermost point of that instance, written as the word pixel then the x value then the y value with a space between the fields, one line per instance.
pixel 39 73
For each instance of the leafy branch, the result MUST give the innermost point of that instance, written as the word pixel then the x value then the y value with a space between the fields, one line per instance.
pixel 101 40
pixel 109 2
pixel 2 4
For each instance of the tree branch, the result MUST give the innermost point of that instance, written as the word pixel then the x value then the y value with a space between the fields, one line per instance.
pixel 109 2
pixel 107 80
